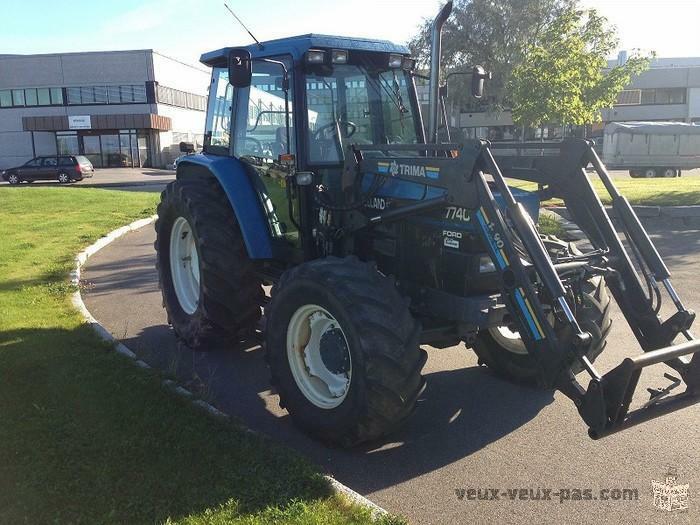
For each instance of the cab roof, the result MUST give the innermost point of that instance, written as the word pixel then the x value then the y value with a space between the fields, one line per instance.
pixel 298 45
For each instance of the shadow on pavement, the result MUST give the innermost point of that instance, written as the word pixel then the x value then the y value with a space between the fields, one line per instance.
pixel 460 412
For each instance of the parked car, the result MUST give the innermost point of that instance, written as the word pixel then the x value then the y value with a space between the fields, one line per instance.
pixel 63 168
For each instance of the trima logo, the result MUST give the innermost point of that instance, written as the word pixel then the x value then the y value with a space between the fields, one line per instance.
pixel 408 170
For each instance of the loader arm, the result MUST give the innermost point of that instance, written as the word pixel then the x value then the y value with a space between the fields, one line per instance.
pixel 459 175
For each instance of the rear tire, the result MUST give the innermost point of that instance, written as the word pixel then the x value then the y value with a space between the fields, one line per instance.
pixel 213 296
pixel 63 178
pixel 649 173
pixel 371 376
pixel 507 356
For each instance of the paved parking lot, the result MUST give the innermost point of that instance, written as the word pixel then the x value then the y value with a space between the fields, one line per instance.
pixel 123 178
pixel 470 430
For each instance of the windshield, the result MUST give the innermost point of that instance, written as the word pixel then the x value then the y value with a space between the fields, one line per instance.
pixel 362 105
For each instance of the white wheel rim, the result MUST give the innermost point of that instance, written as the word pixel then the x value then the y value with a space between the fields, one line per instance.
pixel 649 174
pixel 13 179
pixel 63 177
pixel 669 173
pixel 313 335
pixel 184 265
pixel 508 339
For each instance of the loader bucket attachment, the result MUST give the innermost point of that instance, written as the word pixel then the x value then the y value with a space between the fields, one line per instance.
pixel 606 402
pixel 560 171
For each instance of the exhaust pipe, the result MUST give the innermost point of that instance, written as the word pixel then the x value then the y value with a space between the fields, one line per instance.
pixel 435 52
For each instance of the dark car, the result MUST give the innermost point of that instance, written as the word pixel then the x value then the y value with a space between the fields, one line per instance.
pixel 63 168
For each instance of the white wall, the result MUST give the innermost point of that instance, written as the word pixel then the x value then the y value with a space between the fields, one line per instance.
pixel 185 77
pixel 185 121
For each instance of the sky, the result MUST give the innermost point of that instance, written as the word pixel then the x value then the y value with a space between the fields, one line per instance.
pixel 185 28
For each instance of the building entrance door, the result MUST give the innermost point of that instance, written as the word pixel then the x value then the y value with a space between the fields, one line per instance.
pixel 92 149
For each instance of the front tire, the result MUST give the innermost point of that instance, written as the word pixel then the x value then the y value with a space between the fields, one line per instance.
pixel 343 350
pixel 210 290
pixel 504 352
pixel 14 179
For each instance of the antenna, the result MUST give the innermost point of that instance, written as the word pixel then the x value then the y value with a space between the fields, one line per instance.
pixel 242 24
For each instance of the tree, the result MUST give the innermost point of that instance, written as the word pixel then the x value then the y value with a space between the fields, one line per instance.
pixel 563 76
pixel 492 33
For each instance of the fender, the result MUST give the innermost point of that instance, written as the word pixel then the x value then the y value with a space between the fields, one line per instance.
pixel 236 181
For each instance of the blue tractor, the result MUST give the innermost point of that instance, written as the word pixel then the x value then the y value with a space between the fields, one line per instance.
pixel 378 234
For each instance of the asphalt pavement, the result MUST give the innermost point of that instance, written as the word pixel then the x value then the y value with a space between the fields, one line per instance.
pixel 470 430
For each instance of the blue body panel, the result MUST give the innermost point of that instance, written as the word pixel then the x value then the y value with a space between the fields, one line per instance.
pixel 232 175
pixel 400 189
pixel 298 45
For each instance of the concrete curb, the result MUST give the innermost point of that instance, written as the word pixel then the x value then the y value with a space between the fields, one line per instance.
pixel 103 333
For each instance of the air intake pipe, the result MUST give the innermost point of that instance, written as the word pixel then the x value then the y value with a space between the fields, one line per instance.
pixel 435 52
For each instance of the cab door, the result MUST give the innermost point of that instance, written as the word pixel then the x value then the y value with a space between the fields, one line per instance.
pixel 262 141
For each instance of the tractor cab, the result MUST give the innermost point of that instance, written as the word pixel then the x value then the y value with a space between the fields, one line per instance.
pixel 291 105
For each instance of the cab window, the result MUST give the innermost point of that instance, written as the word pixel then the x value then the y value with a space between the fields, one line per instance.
pixel 217 138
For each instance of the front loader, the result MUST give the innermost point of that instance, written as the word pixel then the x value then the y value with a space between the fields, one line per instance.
pixel 321 177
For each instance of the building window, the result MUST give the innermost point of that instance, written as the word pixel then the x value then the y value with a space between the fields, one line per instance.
pixel 182 99
pixel 125 94
pixel 635 97
pixel 43 96
pixel 5 98
pixel 73 95
pixel 57 96
pixel 670 96
pixel 100 94
pixel 30 98
pixel 18 97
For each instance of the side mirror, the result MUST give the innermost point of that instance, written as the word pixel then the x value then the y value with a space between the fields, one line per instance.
pixel 240 68
pixel 186 147
pixel 479 74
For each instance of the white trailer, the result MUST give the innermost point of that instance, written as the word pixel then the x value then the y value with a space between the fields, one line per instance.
pixel 652 149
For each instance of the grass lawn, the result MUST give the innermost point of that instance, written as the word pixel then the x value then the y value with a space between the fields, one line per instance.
pixel 85 436
pixel 681 191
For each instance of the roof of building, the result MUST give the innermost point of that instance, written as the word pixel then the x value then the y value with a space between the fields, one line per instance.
pixel 660 62
pixel 298 45
pixel 653 128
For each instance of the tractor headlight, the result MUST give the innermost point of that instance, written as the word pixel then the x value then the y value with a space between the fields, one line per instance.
pixel 395 61
pixel 315 56
pixel 339 56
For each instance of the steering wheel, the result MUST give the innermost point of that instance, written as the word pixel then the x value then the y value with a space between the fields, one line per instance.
pixel 327 131
pixel 257 148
